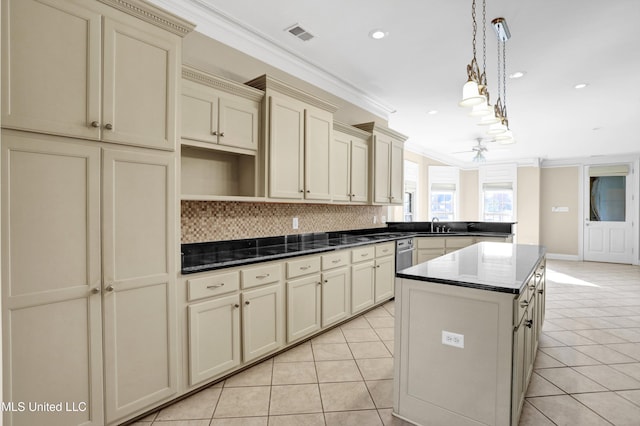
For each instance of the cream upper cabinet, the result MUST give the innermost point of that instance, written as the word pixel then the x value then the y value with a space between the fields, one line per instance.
pixel 139 273
pixel 349 164
pixel 298 133
pixel 219 111
pixel 92 71
pixel 51 283
pixel 387 162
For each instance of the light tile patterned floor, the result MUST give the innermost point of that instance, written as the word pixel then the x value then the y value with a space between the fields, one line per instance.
pixel 587 370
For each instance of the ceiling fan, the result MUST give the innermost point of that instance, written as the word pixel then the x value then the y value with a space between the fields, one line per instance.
pixel 478 149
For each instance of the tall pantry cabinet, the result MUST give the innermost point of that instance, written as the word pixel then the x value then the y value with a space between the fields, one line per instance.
pixel 89 91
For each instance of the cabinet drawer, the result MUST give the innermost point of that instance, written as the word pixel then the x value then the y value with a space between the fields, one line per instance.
pixel 335 260
pixel 259 275
pixel 524 300
pixel 430 242
pixel 362 254
pixel 305 266
pixel 212 285
pixel 385 249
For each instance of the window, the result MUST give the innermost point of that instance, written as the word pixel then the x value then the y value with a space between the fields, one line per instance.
pixel 443 192
pixel 498 202
pixel 443 201
pixel 410 190
pixel 607 193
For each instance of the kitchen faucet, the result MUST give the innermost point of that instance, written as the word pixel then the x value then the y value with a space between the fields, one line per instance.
pixel 434 219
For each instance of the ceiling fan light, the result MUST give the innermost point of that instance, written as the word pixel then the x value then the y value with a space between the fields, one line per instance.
pixel 471 95
pixel 496 129
pixel 479 158
pixel 480 110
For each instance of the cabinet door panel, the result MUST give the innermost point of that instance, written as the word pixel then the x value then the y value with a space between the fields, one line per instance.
pixel 341 168
pixel 359 171
pixel 214 338
pixel 238 125
pixel 138 260
pixel 336 286
pixel 261 321
pixel 50 77
pixel 362 286
pixel 317 146
pixel 381 171
pixel 396 174
pixel 385 276
pixel 141 65
pixel 199 113
pixel 285 150
pixel 303 307
pixel 52 322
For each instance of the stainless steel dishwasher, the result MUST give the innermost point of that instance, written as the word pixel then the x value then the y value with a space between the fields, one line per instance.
pixel 404 253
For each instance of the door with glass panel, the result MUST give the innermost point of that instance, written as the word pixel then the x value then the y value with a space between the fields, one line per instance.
pixel 607 213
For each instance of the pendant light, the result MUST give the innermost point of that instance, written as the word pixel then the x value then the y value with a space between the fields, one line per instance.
pixel 471 94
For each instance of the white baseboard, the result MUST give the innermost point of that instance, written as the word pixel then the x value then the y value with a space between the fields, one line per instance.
pixel 558 256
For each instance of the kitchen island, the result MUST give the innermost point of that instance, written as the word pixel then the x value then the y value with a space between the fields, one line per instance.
pixel 467 327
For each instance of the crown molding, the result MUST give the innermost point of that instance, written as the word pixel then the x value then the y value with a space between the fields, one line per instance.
pixel 374 127
pixel 149 12
pixel 584 161
pixel 216 24
pixel 265 82
pixel 220 83
pixel 350 130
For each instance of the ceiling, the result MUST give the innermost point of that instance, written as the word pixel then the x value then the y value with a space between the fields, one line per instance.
pixel 421 66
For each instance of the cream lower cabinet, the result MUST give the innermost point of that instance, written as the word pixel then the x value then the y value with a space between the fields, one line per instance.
pixel 87 258
pixel 336 287
pixel 304 297
pixel 429 248
pixel 262 310
pixel 385 271
pixel 362 278
pixel 102 73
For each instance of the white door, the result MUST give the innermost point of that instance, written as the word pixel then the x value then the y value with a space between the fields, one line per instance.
pixel 608 226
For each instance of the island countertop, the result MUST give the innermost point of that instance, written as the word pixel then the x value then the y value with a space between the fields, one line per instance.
pixel 500 267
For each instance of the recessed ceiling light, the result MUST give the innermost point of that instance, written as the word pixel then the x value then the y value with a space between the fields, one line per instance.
pixel 517 74
pixel 378 34
pixel 433 112
pixel 580 86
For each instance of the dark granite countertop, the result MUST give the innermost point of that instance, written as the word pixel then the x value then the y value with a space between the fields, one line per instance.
pixel 208 256
pixel 501 267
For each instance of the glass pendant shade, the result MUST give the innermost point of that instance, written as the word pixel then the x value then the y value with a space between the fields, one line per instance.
pixel 471 95
pixel 480 110
pixel 479 158
pixel 496 129
pixel 488 119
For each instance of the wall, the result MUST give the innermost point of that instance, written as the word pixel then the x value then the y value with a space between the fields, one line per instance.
pixel 216 220
pixel 528 208
pixel 422 194
pixel 560 187
pixel 469 193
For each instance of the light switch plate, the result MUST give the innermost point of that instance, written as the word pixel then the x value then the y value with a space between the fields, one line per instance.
pixel 453 339
pixel 295 223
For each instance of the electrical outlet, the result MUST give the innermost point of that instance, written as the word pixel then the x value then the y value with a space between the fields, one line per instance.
pixel 295 223
pixel 375 219
pixel 453 339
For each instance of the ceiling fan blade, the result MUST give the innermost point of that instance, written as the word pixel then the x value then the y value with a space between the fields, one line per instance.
pixel 463 152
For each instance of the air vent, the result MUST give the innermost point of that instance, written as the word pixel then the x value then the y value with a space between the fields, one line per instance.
pixel 300 32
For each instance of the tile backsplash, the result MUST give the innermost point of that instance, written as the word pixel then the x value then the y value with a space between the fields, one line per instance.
pixel 221 220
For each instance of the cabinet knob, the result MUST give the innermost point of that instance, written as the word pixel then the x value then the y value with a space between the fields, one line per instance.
pixel 247 302
pixel 221 134
pixel 302 190
pixel 528 323
pixel 540 291
pixel 214 133
pixel 95 124
pixel 326 281
pixel 353 195
pixel 109 288
pixel 236 306
pixel 108 126
pixel 524 303
pixel 95 290
pixel 308 190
